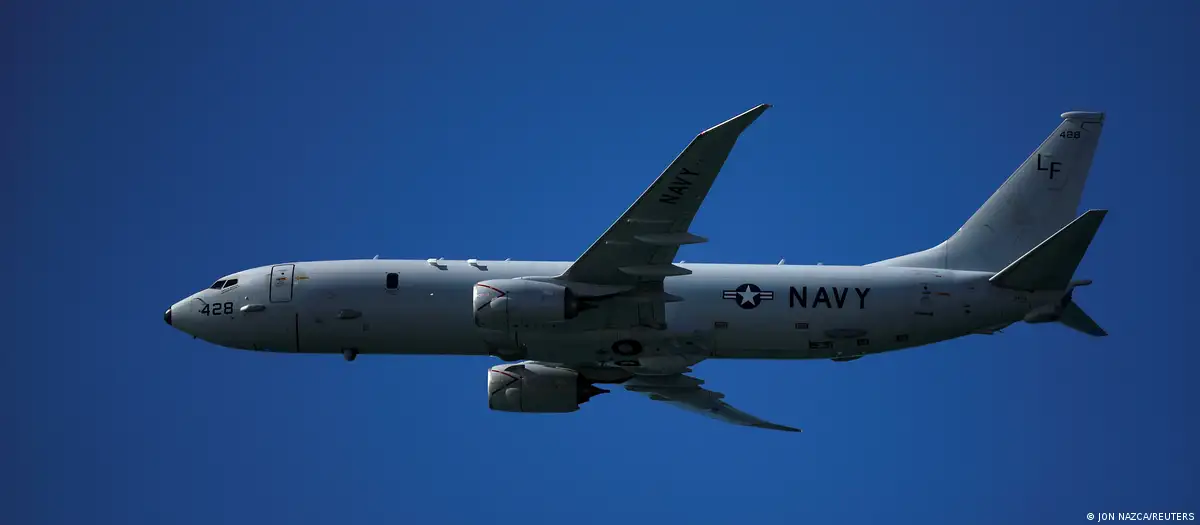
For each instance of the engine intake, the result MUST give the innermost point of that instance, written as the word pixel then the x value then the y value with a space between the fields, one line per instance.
pixel 533 387
pixel 505 304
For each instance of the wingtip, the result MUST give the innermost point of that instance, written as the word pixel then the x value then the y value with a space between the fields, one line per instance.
pixel 742 121
pixel 773 426
pixel 1094 215
pixel 749 114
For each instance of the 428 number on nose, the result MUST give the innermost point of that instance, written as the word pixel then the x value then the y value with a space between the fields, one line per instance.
pixel 217 309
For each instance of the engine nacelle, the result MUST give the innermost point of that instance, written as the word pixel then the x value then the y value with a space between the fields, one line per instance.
pixel 506 304
pixel 533 387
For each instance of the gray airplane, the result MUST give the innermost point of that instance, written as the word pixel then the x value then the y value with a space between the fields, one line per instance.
pixel 625 313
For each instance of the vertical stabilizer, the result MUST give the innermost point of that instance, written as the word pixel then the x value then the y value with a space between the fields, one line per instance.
pixel 1039 198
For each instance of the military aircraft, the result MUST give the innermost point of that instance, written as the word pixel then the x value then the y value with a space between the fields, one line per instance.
pixel 625 313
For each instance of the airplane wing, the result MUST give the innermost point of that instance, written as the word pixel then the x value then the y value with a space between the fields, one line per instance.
pixel 642 244
pixel 685 392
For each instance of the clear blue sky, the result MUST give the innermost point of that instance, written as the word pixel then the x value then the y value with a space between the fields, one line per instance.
pixel 149 148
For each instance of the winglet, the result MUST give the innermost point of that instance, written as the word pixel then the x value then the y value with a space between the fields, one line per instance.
pixel 739 123
pixel 773 426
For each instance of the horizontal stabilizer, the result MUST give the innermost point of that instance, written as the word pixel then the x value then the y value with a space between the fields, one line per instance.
pixel 1075 318
pixel 1050 265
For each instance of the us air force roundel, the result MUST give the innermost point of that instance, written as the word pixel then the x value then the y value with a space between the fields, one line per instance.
pixel 748 296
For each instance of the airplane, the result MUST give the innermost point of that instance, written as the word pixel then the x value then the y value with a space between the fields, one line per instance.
pixel 624 313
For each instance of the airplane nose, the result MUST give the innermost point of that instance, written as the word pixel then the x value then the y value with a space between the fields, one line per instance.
pixel 167 316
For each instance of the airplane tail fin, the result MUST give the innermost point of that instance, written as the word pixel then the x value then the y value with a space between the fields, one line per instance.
pixel 1038 198
pixel 1050 266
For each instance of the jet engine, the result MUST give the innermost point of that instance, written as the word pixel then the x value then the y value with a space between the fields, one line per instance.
pixel 533 387
pixel 503 304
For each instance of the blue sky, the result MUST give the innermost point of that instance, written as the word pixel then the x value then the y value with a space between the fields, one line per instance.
pixel 151 148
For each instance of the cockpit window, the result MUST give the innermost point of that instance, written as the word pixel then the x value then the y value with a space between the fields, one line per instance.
pixel 230 282
pixel 217 285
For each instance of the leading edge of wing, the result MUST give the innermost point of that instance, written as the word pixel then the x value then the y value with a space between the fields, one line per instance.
pixel 685 392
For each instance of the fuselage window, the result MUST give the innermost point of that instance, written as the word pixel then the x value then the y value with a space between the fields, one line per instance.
pixel 393 281
pixel 217 285
pixel 230 282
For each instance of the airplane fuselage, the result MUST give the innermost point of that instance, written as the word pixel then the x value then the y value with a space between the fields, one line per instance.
pixel 721 311
pixel 624 313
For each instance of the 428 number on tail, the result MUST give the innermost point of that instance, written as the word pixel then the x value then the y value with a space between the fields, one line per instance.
pixel 217 309
pixel 1069 134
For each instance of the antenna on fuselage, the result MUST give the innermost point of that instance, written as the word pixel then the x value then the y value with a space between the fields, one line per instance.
pixel 375 257
pixel 780 263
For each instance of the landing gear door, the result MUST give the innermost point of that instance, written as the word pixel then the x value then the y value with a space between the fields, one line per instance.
pixel 281 283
